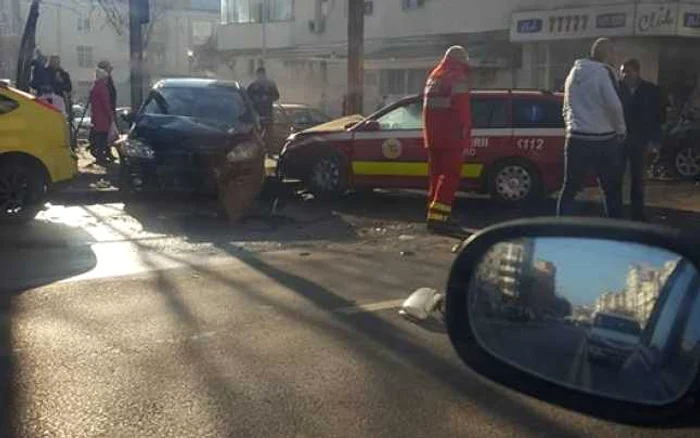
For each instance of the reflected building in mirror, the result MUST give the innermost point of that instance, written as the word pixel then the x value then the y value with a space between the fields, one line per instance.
pixel 642 287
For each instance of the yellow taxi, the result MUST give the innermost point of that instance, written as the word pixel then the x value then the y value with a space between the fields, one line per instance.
pixel 35 153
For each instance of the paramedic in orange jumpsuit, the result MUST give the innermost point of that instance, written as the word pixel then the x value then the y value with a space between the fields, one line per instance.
pixel 447 132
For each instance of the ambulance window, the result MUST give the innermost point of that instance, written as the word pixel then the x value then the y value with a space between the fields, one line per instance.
pixel 407 117
pixel 537 113
pixel 7 105
pixel 489 113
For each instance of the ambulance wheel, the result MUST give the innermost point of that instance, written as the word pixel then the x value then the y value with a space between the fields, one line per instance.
pixel 328 175
pixel 514 181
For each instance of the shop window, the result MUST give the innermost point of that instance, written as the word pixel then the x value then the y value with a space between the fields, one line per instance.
pixel 532 113
pixel 402 82
pixel 7 105
pixel 489 113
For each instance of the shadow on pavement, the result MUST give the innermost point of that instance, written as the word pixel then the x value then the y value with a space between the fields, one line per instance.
pixel 32 255
pixel 481 212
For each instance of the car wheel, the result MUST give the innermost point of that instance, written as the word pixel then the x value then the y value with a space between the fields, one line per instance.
pixel 23 187
pixel 514 181
pixel 686 162
pixel 328 176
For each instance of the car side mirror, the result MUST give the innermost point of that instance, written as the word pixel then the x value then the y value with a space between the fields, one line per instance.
pixel 371 126
pixel 594 310
pixel 128 117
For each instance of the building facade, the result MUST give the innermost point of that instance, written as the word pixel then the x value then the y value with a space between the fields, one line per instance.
pixel 79 32
pixel 513 43
pixel 642 287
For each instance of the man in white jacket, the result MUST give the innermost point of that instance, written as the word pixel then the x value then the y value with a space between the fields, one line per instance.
pixel 595 129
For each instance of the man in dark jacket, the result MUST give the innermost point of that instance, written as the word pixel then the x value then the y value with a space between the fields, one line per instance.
pixel 263 92
pixel 641 101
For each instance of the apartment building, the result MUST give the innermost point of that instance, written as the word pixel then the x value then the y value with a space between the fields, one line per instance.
pixel 513 43
pixel 638 298
pixel 79 32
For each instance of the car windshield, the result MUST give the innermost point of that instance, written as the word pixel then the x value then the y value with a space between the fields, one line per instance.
pixel 223 105
pixel 621 325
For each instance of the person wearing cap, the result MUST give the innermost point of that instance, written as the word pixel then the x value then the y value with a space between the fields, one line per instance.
pixel 106 66
pixel 447 132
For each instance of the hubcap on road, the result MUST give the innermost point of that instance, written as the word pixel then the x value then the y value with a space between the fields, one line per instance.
pixel 688 162
pixel 513 183
pixel 14 188
pixel 326 175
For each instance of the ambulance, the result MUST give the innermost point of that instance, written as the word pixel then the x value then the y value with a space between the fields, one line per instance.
pixel 516 153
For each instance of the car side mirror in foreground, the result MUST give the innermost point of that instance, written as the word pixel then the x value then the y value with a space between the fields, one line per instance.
pixel 572 309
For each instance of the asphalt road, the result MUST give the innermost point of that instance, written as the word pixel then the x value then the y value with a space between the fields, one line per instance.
pixel 121 324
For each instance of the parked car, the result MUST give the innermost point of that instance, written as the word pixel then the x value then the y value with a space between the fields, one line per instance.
pixel 288 119
pixel 33 162
pixel 193 135
pixel 517 150
pixel 612 337
pixel 304 116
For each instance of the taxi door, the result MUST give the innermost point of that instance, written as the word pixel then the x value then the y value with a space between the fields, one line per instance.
pixel 492 135
pixel 388 151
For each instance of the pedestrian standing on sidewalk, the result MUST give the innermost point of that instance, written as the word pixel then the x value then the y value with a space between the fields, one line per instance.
pixel 641 101
pixel 61 86
pixel 447 132
pixel 595 129
pixel 102 119
pixel 107 66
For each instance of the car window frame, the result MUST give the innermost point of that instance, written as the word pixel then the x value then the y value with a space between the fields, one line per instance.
pixel 508 110
pixel 7 98
pixel 538 99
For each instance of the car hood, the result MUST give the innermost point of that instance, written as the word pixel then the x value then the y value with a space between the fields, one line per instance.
pixel 337 125
pixel 175 134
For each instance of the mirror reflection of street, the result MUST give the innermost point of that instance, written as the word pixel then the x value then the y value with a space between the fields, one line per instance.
pixel 613 326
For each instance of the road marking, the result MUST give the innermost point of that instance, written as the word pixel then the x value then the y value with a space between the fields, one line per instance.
pixel 370 307
pixel 578 363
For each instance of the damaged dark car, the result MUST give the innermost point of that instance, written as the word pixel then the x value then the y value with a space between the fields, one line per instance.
pixel 197 136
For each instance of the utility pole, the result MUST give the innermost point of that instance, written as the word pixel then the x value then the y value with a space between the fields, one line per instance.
pixel 356 36
pixel 139 12
pixel 263 22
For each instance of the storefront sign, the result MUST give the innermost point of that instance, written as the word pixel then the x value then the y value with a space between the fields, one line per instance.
pixel 689 23
pixel 644 19
pixel 656 19
pixel 572 23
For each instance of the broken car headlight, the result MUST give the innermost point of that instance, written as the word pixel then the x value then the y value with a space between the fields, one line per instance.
pixel 135 148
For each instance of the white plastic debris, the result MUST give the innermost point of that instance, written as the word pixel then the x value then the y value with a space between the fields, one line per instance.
pixel 421 304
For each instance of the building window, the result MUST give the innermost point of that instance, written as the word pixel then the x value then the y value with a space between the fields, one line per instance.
pixel 85 56
pixel 412 4
pixel 369 7
pixel 84 24
pixel 402 82
pixel 252 11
